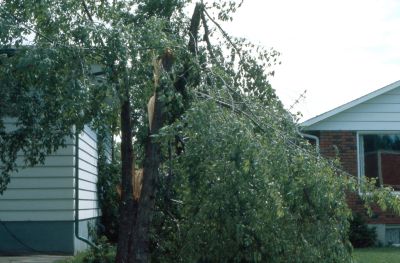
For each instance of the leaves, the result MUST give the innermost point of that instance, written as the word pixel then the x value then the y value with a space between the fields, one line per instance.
pixel 245 189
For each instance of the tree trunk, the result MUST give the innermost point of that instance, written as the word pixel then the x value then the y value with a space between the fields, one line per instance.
pixel 140 245
pixel 127 205
pixel 139 249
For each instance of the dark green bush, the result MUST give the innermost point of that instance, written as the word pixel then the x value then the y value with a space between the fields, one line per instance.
pixel 360 234
pixel 103 253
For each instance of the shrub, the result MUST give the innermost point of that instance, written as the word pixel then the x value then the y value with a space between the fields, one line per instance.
pixel 103 253
pixel 360 234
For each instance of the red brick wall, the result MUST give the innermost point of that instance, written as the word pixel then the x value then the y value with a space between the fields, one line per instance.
pixel 344 143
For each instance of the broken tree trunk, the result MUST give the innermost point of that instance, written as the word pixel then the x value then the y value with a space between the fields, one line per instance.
pixel 141 239
pixel 128 205
pixel 139 250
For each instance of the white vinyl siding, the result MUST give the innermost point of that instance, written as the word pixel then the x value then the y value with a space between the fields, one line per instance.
pixel 378 113
pixel 46 192
pixel 41 193
pixel 88 156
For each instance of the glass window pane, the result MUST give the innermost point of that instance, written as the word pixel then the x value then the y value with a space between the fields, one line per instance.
pixel 382 158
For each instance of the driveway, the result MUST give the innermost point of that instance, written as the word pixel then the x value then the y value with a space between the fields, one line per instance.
pixel 32 259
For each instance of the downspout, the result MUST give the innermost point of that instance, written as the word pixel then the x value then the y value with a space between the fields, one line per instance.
pixel 310 136
pixel 83 239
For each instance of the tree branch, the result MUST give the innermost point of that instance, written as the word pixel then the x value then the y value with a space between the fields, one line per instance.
pixel 194 28
pixel 207 34
pixel 228 106
pixel 86 9
pixel 224 33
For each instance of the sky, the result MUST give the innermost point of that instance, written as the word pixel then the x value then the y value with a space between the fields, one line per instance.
pixel 336 50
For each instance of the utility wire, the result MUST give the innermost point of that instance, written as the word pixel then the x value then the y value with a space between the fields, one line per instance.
pixel 255 120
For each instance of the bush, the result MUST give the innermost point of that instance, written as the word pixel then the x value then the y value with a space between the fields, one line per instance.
pixel 244 196
pixel 103 253
pixel 360 234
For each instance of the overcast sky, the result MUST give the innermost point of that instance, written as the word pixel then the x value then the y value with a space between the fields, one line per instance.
pixel 337 50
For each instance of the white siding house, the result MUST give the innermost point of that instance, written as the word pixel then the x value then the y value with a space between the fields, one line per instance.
pixel 366 135
pixel 379 110
pixel 45 208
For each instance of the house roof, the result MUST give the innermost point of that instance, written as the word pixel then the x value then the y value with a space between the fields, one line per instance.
pixel 350 104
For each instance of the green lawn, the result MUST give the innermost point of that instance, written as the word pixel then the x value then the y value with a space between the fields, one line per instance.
pixel 363 255
pixel 377 255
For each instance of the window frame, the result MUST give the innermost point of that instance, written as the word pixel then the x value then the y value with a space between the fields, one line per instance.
pixel 360 155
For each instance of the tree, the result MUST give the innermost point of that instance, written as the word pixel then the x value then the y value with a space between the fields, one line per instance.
pixel 48 86
pixel 152 48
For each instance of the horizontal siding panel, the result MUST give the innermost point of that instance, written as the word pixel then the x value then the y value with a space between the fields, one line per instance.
pixel 356 126
pixel 384 99
pixel 61 215
pixel 88 139
pixel 38 194
pixel 371 108
pixel 395 91
pixel 66 171
pixel 67 160
pixel 67 150
pixel 88 157
pixel 88 204
pixel 89 146
pixel 87 167
pixel 87 186
pixel 87 195
pixel 46 191
pixel 85 214
pixel 91 133
pixel 368 117
pixel 84 175
pixel 36 205
pixel 40 182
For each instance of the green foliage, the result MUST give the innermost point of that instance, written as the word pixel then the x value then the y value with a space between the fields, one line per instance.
pixel 246 188
pixel 360 234
pixel 43 93
pixel 247 196
pixel 104 252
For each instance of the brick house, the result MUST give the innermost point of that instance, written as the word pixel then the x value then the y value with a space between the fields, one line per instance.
pixel 366 134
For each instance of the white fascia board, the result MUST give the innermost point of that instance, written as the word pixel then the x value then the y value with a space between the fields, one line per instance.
pixel 350 104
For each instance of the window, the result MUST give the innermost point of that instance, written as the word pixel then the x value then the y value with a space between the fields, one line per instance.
pixel 392 235
pixel 380 158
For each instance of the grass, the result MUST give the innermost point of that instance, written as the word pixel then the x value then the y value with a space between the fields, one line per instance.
pixel 377 255
pixel 76 259
pixel 361 255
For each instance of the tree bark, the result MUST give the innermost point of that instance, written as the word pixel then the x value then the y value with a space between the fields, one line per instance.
pixel 141 239
pixel 127 205
pixel 139 247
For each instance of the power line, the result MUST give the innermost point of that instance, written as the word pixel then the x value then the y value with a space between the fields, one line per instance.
pixel 282 134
